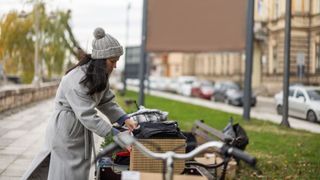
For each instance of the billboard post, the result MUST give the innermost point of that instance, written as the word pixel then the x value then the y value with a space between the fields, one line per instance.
pixel 249 53
pixel 143 55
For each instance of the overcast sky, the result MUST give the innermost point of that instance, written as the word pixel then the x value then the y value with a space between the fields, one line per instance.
pixel 88 14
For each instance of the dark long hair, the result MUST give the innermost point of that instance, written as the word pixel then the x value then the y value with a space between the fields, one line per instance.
pixel 96 74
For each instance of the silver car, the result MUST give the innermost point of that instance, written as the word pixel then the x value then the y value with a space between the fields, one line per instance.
pixel 304 102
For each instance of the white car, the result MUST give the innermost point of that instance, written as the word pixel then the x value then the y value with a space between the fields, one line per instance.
pixel 304 102
pixel 184 85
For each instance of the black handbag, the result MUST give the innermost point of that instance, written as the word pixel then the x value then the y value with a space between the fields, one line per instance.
pixel 164 129
pixel 238 135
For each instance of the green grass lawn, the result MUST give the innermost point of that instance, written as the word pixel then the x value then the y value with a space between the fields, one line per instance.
pixel 282 153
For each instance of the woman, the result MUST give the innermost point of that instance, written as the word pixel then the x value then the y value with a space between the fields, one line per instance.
pixel 67 153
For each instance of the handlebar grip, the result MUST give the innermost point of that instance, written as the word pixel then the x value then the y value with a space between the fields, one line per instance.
pixel 108 149
pixel 237 153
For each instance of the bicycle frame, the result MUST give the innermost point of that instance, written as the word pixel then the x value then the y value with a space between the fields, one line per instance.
pixel 125 140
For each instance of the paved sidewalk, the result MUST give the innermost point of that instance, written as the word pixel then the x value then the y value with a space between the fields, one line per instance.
pixel 21 138
pixel 295 123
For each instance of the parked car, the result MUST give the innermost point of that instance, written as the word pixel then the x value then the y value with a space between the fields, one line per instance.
pixel 158 83
pixel 221 87
pixel 154 83
pixel 132 82
pixel 185 84
pixel 202 89
pixel 304 102
pixel 172 85
pixel 236 97
pixel 230 92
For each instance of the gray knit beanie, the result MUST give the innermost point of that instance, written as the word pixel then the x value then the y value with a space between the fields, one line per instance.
pixel 104 45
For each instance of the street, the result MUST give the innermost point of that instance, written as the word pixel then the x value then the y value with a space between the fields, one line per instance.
pixel 266 105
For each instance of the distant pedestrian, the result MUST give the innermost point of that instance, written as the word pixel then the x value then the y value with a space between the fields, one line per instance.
pixel 69 139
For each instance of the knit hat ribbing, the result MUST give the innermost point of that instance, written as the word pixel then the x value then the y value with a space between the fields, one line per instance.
pixel 104 45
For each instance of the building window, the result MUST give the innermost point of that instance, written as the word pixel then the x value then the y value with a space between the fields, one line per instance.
pixel 211 65
pixel 276 9
pixel 208 65
pixel 215 64
pixel 275 59
pixel 291 92
pixel 177 68
pixel 318 57
pixel 260 8
pixel 298 6
pixel 299 94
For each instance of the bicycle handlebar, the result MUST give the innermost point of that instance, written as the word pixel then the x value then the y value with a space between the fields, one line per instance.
pixel 239 154
pixel 108 149
pixel 124 140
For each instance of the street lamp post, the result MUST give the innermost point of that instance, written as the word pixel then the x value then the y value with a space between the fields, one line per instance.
pixel 127 45
pixel 249 52
pixel 143 54
pixel 286 78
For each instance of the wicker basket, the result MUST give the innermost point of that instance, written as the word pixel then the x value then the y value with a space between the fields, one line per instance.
pixel 139 162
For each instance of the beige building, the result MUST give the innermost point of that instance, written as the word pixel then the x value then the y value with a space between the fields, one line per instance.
pixel 268 57
pixel 305 49
pixel 159 65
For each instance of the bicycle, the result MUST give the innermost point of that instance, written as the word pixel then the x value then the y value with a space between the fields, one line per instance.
pixel 124 140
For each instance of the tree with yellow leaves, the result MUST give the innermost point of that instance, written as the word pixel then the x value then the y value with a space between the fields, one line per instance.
pixel 18 36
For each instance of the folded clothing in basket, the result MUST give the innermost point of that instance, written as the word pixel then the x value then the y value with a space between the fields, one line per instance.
pixel 165 129
pixel 148 115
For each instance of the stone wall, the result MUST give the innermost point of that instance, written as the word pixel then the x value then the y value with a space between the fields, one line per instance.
pixel 16 96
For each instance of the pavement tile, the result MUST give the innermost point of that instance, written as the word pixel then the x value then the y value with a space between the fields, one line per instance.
pixel 29 155
pixel 20 162
pixel 13 150
pixel 13 172
pixel 3 131
pixel 40 130
pixel 14 134
pixel 6 160
pixel 13 124
pixel 4 142
pixel 32 150
pixel 24 142
pixel 10 178
pixel 30 125
pixel 5 121
pixel 17 168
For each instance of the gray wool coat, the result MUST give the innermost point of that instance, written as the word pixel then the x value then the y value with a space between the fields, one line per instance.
pixel 67 151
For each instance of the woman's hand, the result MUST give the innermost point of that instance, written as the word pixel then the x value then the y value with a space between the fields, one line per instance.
pixel 131 124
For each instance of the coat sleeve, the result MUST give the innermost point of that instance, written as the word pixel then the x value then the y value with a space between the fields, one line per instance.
pixel 84 108
pixel 110 108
